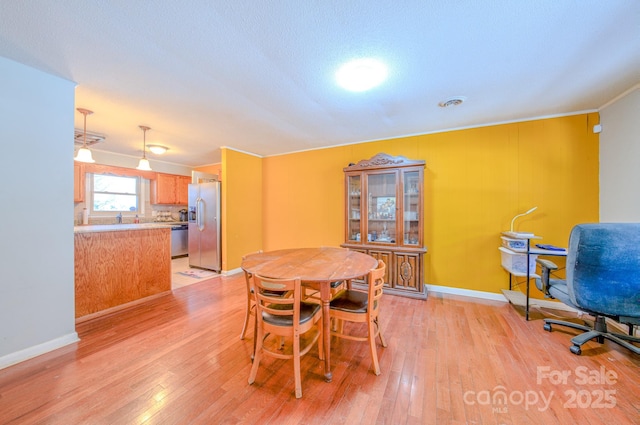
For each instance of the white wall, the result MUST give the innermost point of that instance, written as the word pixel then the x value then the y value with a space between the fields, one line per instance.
pixel 36 256
pixel 128 161
pixel 620 159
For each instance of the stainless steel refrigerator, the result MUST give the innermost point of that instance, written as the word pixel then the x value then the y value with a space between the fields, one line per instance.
pixel 204 226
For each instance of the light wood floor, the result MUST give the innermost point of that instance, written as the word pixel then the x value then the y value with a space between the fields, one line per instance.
pixel 178 359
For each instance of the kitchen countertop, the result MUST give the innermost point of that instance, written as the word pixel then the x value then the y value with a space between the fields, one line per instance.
pixel 92 228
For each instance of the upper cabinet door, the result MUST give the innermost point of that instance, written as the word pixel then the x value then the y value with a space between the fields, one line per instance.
pixel 354 208
pixel 183 190
pixel 412 207
pixel 382 207
pixel 166 189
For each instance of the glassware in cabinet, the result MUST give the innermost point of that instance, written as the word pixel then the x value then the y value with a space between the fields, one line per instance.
pixel 411 207
pixel 354 207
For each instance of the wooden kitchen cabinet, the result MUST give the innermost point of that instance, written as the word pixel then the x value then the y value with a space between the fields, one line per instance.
pixel 78 182
pixel 183 189
pixel 170 189
pixel 385 219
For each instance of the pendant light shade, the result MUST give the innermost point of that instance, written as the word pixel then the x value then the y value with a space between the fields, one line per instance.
pixel 144 162
pixel 84 154
pixel 144 165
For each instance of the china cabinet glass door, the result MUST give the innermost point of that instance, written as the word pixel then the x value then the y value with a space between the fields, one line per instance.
pixel 381 207
pixel 411 223
pixel 353 209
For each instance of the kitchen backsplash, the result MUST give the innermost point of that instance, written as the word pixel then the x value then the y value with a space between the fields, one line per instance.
pixel 152 213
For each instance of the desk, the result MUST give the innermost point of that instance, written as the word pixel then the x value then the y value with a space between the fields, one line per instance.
pixel 528 252
pixel 317 267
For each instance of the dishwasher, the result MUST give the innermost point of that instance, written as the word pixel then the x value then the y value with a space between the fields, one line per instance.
pixel 179 240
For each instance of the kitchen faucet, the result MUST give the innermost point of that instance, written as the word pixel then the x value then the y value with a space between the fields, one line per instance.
pixel 119 218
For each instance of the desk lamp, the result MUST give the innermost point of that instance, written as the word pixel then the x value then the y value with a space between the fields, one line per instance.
pixel 520 215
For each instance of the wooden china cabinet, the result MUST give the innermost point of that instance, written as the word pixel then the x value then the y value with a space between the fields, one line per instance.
pixel 384 218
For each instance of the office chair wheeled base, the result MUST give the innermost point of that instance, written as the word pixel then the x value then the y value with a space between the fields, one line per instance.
pixel 599 332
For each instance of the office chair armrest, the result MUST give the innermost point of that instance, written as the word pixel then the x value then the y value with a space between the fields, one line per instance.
pixel 546 267
pixel 546 264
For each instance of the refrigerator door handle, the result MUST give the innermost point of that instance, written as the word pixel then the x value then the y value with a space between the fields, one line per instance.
pixel 200 213
pixel 197 208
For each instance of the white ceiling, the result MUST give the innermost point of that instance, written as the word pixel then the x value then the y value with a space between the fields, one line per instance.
pixel 258 76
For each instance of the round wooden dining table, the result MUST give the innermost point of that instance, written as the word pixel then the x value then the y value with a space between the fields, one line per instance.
pixel 317 268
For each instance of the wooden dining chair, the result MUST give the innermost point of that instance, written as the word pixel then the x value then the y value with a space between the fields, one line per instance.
pixel 313 295
pixel 250 300
pixel 251 305
pixel 288 318
pixel 361 307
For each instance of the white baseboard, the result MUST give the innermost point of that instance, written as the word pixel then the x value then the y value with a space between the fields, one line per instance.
pixel 231 272
pixel 466 293
pixel 37 350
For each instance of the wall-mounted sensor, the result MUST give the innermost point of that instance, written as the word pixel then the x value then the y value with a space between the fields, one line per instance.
pixel 597 128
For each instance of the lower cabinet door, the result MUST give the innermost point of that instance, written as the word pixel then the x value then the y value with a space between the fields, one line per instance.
pixel 387 257
pixel 407 271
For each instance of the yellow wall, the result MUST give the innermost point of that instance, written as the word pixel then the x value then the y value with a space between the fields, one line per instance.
pixel 304 198
pixel 241 206
pixel 476 180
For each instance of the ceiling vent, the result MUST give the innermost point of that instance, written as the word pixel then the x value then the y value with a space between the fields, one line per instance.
pixel 92 138
pixel 452 101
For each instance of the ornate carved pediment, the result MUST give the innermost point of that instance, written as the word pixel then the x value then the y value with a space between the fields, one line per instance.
pixel 382 160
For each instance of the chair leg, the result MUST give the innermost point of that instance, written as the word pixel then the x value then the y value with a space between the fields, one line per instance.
pixel 587 336
pixel 598 332
pixel 246 320
pixel 372 347
pixel 382 340
pixel 255 337
pixel 256 360
pixel 549 322
pixel 581 339
pixel 296 366
pixel 626 337
pixel 621 341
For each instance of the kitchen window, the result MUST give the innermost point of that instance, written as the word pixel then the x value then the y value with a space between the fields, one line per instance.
pixel 111 194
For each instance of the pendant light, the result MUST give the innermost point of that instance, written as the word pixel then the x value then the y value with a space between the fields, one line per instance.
pixel 84 154
pixel 144 162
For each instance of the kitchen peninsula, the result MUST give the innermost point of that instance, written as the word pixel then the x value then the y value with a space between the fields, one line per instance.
pixel 120 263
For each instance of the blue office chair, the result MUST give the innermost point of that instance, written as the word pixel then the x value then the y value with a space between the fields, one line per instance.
pixel 602 280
